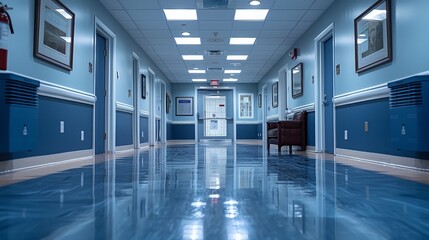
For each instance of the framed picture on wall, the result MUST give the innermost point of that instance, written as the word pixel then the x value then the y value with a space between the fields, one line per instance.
pixel 373 36
pixel 184 106
pixel 296 79
pixel 167 103
pixel 54 33
pixel 259 100
pixel 143 82
pixel 275 96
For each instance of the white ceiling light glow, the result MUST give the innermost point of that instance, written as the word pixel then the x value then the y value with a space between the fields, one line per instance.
pixel 187 40
pixel 236 57
pixel 230 79
pixel 186 34
pixel 180 14
pixel 251 14
pixel 197 71
pixel 199 80
pixel 193 57
pixel 242 41
pixel 232 71
pixel 255 2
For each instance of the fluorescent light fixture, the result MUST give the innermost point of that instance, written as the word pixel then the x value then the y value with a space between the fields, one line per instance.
pixel 255 2
pixel 230 79
pixel 242 41
pixel 187 40
pixel 193 57
pixel 186 34
pixel 251 14
pixel 199 80
pixel 180 14
pixel 236 57
pixel 232 71
pixel 197 71
pixel 376 14
pixel 64 13
pixel 361 40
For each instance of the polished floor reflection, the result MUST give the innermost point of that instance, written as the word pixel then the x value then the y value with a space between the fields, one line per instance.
pixel 215 191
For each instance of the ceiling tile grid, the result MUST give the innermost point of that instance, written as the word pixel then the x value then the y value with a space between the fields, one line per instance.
pixel 146 23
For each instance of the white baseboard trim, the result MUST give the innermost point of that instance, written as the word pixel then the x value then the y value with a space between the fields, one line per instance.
pixel 124 148
pixel 311 148
pixel 384 159
pixel 144 145
pixel 45 160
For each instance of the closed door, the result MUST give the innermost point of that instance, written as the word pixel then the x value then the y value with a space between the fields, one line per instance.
pixel 328 74
pixel 100 92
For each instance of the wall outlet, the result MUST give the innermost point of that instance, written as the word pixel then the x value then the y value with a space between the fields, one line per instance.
pixel 366 126
pixel 346 135
pixel 82 135
pixel 61 126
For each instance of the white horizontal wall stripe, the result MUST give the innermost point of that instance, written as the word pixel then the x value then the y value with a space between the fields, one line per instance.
pixel 362 95
pixel 144 113
pixel 124 107
pixel 308 107
pixel 248 122
pixel 182 122
pixel 57 91
pixel 274 117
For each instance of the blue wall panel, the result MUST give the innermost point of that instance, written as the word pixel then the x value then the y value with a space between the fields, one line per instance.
pixel 353 117
pixel 182 131
pixel 144 127
pixel 247 131
pixel 77 117
pixel 169 131
pixel 311 129
pixel 124 128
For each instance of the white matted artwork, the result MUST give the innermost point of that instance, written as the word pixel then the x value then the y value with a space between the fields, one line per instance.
pixel 215 124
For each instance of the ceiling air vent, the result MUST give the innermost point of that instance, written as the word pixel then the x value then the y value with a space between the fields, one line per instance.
pixel 214 69
pixel 214 53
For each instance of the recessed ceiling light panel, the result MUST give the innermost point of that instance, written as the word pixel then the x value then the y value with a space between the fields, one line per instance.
pixel 180 14
pixel 199 80
pixel 251 14
pixel 187 40
pixel 197 71
pixel 230 79
pixel 242 41
pixel 236 57
pixel 232 71
pixel 193 57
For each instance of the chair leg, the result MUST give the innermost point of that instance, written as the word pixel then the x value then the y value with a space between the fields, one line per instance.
pixel 290 149
pixel 279 148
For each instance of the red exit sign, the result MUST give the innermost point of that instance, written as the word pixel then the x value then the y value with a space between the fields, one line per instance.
pixel 214 82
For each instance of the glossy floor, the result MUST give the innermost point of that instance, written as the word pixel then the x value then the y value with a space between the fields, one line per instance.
pixel 190 191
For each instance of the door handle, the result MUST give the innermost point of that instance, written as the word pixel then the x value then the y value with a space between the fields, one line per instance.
pixel 325 102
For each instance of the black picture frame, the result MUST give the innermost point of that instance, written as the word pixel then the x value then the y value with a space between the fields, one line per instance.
pixel 184 106
pixel 54 33
pixel 373 36
pixel 259 100
pixel 297 80
pixel 275 95
pixel 167 103
pixel 143 86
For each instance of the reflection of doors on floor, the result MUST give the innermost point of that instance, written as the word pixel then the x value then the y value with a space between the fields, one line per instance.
pixel 215 116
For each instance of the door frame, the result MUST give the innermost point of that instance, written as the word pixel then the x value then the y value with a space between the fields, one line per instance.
pixel 282 92
pixel 163 123
pixel 110 116
pixel 136 101
pixel 234 110
pixel 264 114
pixel 152 106
pixel 320 86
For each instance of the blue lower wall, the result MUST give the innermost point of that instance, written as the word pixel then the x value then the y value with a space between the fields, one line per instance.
pixel 169 131
pixel 377 140
pixel 182 131
pixel 311 129
pixel 77 117
pixel 144 126
pixel 248 131
pixel 124 128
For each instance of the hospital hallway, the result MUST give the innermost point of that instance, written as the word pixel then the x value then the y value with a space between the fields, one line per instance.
pixel 184 190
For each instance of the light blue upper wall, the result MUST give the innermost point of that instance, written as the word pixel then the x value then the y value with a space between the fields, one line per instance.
pixel 188 90
pixel 21 58
pixel 409 45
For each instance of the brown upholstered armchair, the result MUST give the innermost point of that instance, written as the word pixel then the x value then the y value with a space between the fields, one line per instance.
pixel 289 132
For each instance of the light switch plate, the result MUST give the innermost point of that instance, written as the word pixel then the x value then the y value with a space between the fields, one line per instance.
pixel 61 126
